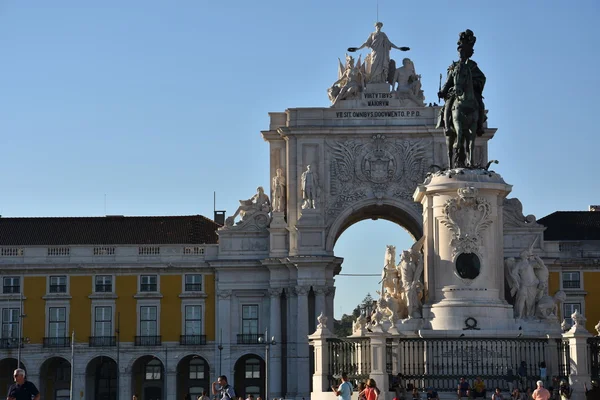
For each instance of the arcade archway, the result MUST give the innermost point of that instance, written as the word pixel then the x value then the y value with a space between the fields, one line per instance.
pixel 101 379
pixel 7 367
pixel 193 376
pixel 148 378
pixel 249 376
pixel 55 379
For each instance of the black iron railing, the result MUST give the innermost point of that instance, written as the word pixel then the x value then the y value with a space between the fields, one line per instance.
pixel 571 284
pixel 188 340
pixel 249 338
pixel 103 341
pixel 57 342
pixel 442 362
pixel 594 349
pixel 10 343
pixel 352 356
pixel 148 341
pixel 564 358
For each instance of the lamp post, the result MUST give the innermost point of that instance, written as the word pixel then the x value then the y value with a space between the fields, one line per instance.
pixel 220 347
pixel 268 344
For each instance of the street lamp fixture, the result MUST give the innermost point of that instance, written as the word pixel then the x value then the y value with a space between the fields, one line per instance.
pixel 267 344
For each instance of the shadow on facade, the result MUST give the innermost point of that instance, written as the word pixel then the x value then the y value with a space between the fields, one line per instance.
pixel 249 376
pixel 148 378
pixel 193 374
pixel 55 379
pixel 101 379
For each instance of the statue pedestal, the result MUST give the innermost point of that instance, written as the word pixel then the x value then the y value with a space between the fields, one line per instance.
pixel 378 87
pixel 278 239
pixel 463 249
pixel 309 230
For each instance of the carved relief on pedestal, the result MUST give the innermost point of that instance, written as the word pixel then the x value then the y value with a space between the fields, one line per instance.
pixel 376 168
pixel 466 217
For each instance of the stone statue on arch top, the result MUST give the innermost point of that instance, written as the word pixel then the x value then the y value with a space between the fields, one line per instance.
pixel 278 187
pixel 378 70
pixel 463 113
pixel 257 203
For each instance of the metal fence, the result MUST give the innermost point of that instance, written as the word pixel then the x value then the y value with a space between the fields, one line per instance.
pixel 594 349
pixel 352 356
pixel 440 363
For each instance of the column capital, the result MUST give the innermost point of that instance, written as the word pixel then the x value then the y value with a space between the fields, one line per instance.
pixel 275 292
pixel 224 294
pixel 301 290
pixel 320 290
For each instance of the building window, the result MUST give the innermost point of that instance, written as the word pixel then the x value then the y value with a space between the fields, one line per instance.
pixel 11 285
pixel 250 319
pixel 193 320
pixel 10 322
pixel 58 284
pixel 148 283
pixel 252 368
pixel 103 284
pixel 193 283
pixel 569 309
pixel 148 321
pixel 153 370
pixel 103 321
pixel 197 368
pixel 571 280
pixel 57 326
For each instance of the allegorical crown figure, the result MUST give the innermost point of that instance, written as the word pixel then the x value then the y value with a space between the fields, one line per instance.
pixel 463 114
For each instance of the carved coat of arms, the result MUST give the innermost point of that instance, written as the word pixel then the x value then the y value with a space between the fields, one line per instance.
pixel 375 168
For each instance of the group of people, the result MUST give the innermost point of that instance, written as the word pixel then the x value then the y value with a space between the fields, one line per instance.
pixel 366 390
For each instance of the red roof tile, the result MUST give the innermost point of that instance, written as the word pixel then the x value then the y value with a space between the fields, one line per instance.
pixel 53 231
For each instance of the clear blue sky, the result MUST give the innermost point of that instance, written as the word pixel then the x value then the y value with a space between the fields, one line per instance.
pixel 157 104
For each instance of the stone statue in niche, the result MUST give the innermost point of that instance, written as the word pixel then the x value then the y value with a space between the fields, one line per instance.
pixel 407 83
pixel 350 83
pixel 310 188
pixel 527 279
pixel 258 202
pixel 463 113
pixel 379 65
pixel 278 187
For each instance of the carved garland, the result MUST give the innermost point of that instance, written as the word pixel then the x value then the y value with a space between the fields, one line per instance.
pixel 466 216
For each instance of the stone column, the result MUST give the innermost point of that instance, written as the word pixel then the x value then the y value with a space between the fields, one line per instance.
pixel 378 361
pixel 292 340
pixel 125 384
pixel 320 379
pixel 303 365
pixel 275 350
pixel 329 304
pixel 171 385
pixel 78 385
pixel 224 331
pixel 579 354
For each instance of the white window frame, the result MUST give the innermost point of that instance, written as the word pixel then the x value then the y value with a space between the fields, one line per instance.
pixel 112 320
pixel 258 330
pixel 67 283
pixel 140 284
pixel 57 304
pixel 192 291
pixel 112 281
pixel 103 303
pixel 147 303
pixel 14 308
pixel 573 300
pixel 580 280
pixel 20 278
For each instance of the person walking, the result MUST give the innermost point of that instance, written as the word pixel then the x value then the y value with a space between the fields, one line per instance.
pixel 344 391
pixel 222 388
pixel 22 389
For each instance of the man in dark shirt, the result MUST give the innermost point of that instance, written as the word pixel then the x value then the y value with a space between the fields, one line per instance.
pixel 22 389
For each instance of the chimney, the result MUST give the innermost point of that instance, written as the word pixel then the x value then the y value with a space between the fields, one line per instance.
pixel 595 208
pixel 220 217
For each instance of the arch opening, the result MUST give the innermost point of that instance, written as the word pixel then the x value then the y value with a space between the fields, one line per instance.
pixel 7 367
pixel 55 378
pixel 101 380
pixel 193 376
pixel 249 376
pixel 148 377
